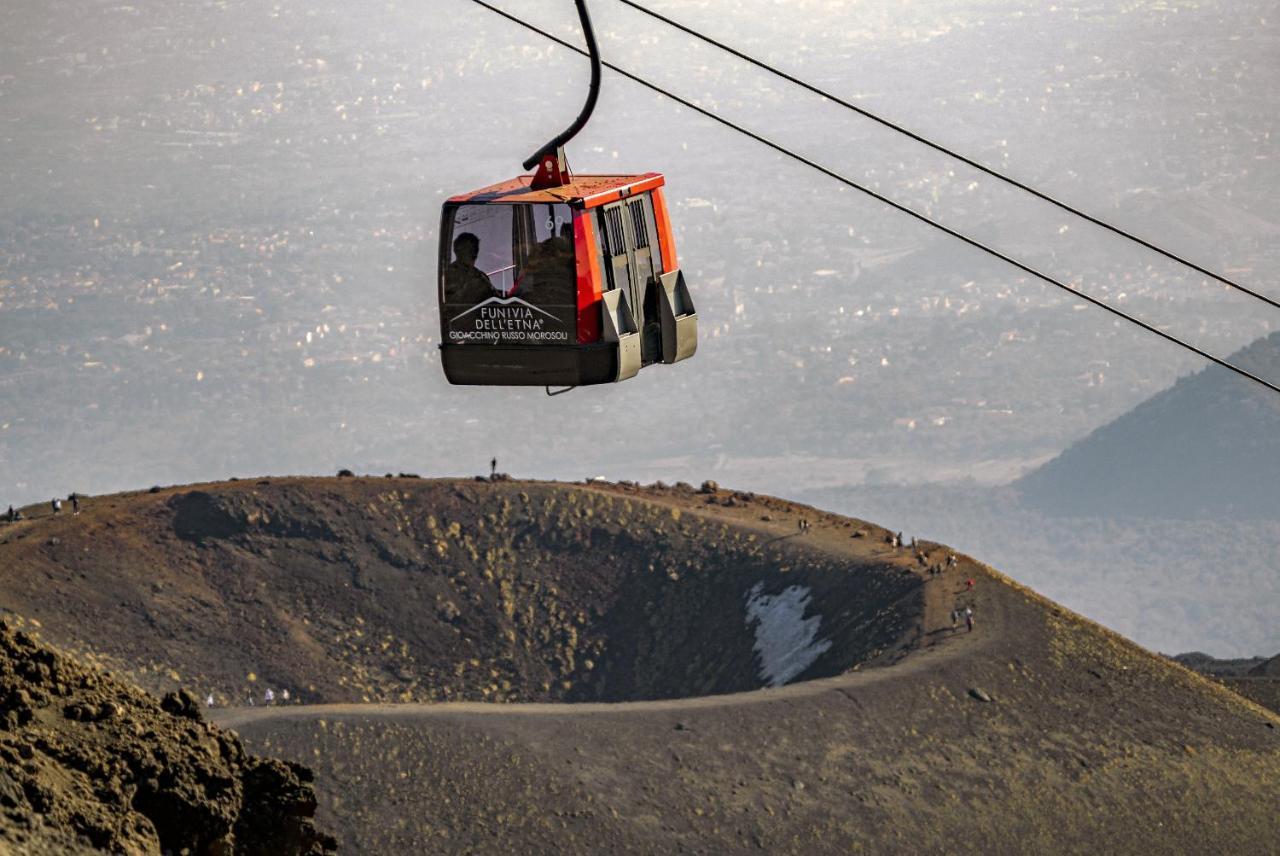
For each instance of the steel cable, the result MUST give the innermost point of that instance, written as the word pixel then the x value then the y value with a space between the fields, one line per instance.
pixel 973 242
pixel 923 140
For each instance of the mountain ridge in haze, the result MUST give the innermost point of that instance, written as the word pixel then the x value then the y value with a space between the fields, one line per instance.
pixel 1207 447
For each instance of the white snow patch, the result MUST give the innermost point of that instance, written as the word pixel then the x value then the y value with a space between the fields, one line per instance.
pixel 784 637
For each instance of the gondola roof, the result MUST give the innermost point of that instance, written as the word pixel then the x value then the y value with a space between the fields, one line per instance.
pixel 589 190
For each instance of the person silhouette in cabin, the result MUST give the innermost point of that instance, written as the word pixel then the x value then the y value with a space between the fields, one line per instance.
pixel 465 283
pixel 549 277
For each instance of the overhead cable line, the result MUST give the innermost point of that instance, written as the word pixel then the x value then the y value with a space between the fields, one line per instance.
pixel 936 146
pixel 973 242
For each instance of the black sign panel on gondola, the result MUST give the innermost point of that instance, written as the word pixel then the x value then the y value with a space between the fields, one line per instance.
pixel 511 275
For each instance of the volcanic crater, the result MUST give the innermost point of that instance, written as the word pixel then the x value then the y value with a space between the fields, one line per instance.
pixel 420 590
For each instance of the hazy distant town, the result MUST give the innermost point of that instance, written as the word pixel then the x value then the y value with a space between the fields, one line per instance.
pixel 218 239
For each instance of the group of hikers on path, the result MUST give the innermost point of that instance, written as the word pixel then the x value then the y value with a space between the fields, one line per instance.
pixel 269 697
pixel 13 515
pixel 73 498
pixel 937 570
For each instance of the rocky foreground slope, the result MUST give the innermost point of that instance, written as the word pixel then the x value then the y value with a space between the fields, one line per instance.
pixel 88 762
pixel 679 670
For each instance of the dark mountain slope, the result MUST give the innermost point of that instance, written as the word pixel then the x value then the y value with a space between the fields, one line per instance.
pixel 1267 669
pixel 1207 447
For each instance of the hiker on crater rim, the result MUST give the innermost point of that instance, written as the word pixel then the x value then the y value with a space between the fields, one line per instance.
pixel 75 503
pixel 968 617
pixel 12 515
pixel 57 506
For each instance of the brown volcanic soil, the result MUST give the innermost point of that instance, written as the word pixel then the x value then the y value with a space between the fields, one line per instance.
pixel 1039 731
pixel 1088 744
pixel 89 762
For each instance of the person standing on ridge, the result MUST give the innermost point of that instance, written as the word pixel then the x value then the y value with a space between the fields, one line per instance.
pixel 75 503
pixel 493 467
pixel 57 506
pixel 968 618
pixel 13 515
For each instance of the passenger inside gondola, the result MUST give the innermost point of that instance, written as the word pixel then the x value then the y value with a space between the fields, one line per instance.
pixel 464 283
pixel 549 275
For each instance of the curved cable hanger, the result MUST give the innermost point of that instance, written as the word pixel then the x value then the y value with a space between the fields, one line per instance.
pixel 556 144
pixel 898 206
pixel 939 147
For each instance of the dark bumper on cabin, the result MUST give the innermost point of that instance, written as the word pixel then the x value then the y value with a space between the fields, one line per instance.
pixel 530 365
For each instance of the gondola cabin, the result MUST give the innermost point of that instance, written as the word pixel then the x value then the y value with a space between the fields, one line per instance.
pixel 562 286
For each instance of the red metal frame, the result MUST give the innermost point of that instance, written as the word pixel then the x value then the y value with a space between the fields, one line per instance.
pixel 666 239
pixel 590 288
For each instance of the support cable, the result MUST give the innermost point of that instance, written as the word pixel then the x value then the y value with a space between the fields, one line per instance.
pixel 939 147
pixel 973 242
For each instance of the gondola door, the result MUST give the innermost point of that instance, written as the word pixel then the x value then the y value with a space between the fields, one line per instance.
pixel 618 249
pixel 631 267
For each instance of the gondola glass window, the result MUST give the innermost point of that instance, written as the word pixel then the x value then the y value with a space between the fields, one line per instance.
pixel 510 274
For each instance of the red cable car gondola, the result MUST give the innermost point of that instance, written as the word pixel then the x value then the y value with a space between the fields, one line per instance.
pixel 561 280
